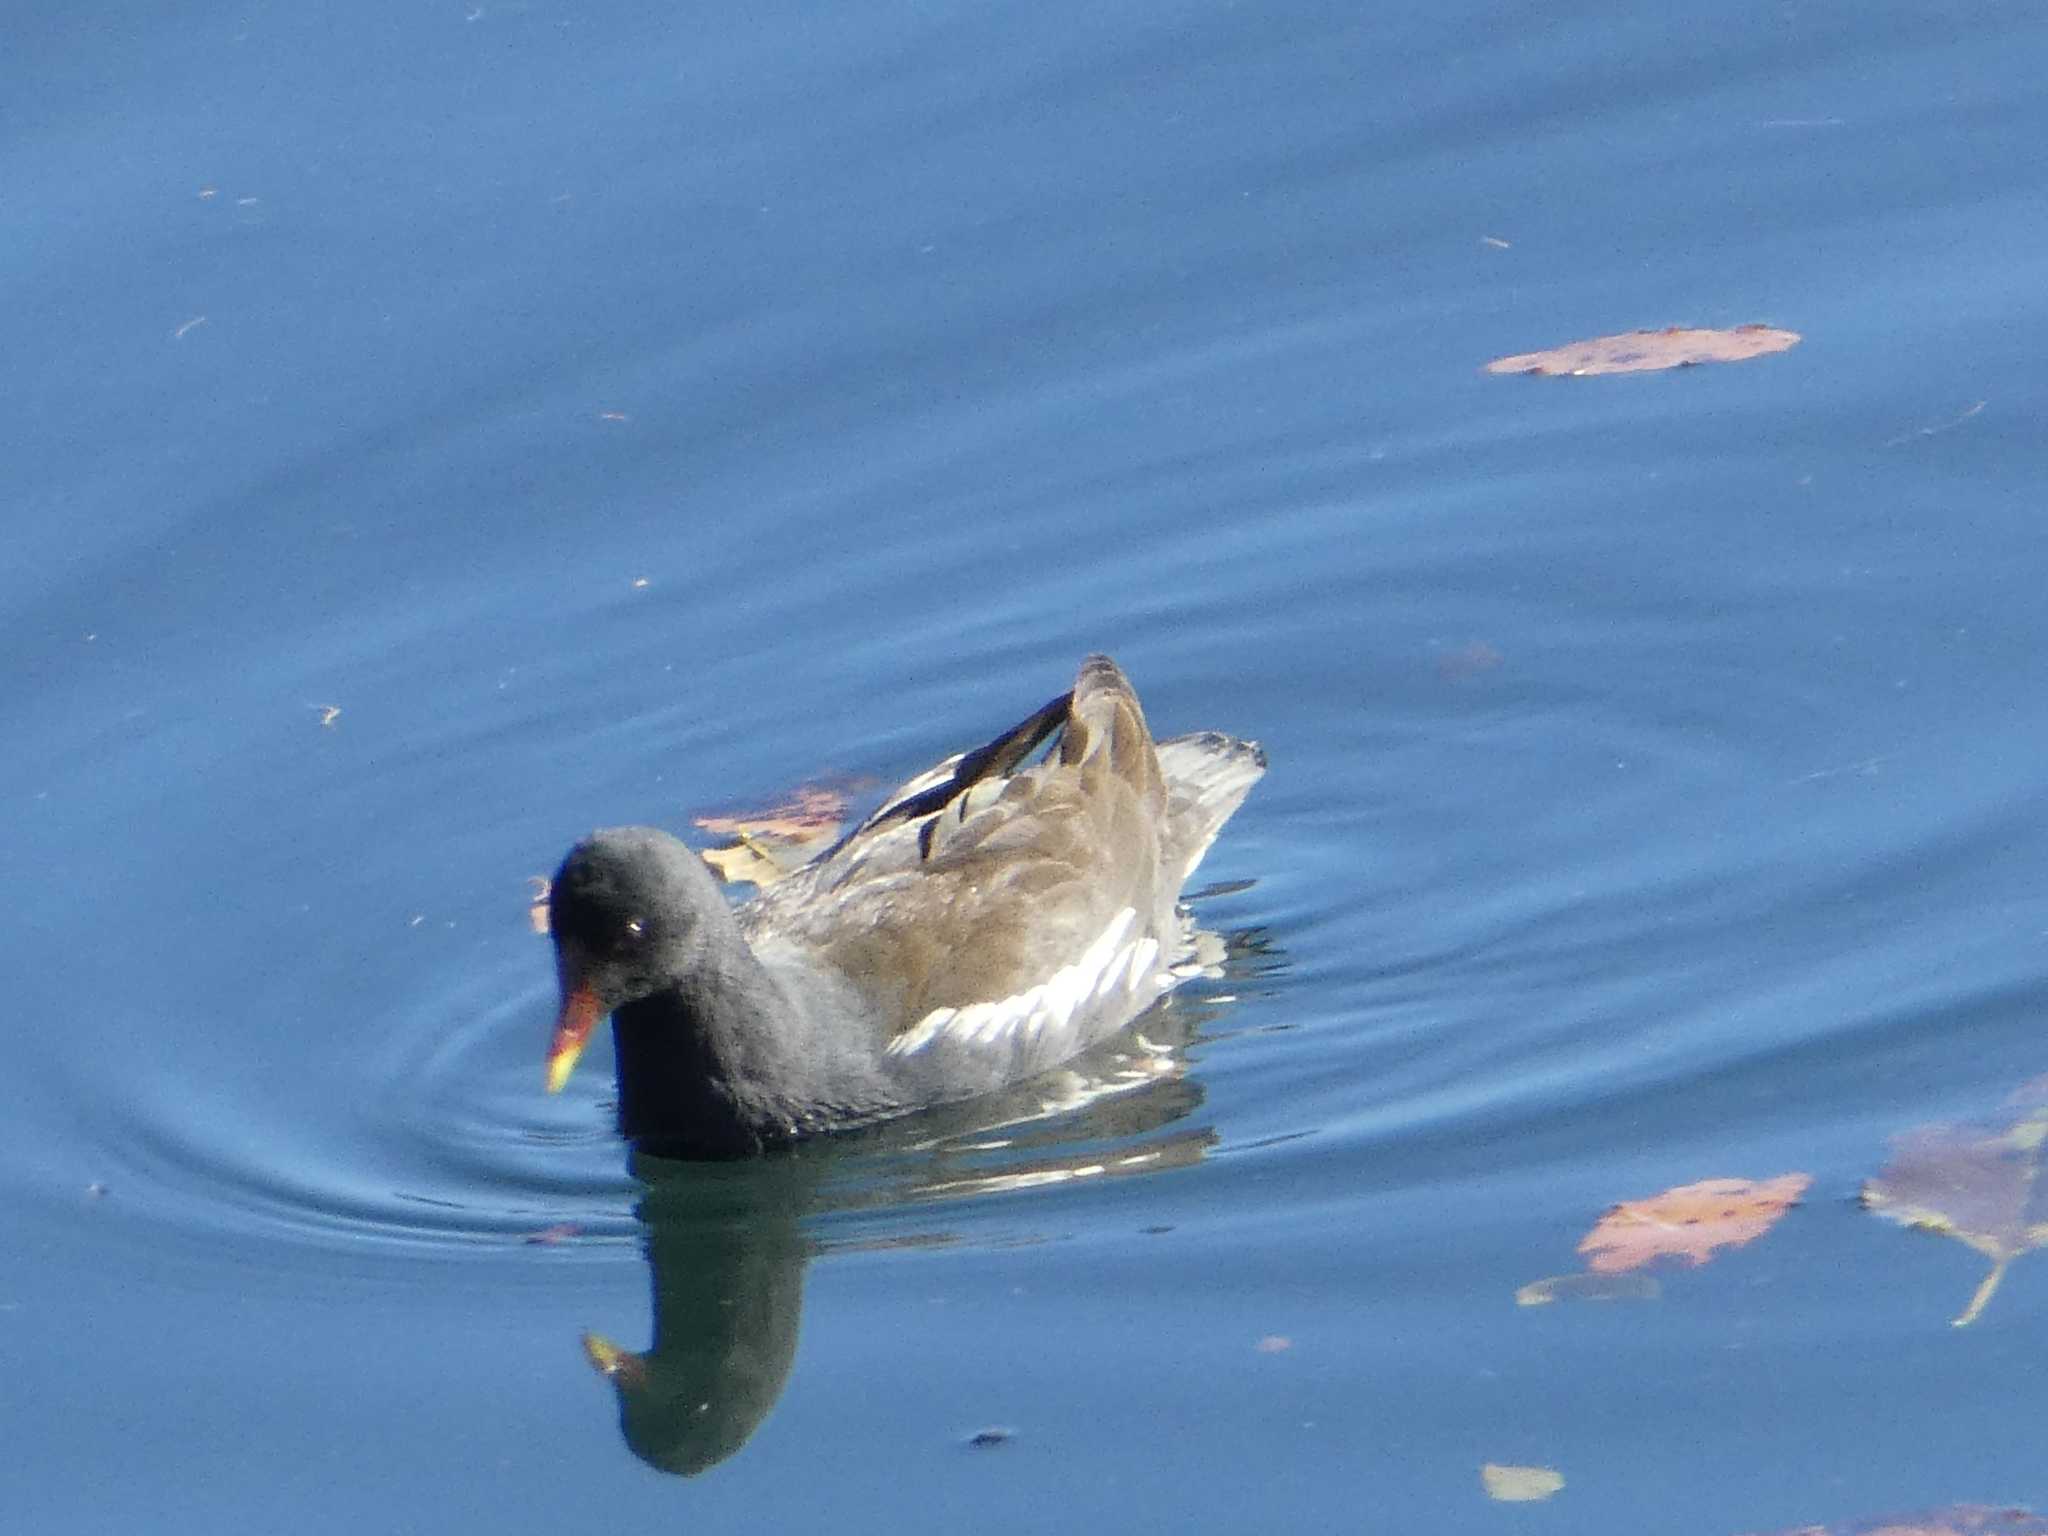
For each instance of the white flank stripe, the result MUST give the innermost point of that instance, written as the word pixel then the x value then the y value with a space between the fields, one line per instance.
pixel 1051 1005
pixel 1114 972
pixel 1146 951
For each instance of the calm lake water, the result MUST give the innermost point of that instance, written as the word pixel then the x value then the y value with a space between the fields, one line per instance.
pixel 433 431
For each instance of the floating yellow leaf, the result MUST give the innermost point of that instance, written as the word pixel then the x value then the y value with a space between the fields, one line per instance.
pixel 748 861
pixel 1519 1485
pixel 1648 351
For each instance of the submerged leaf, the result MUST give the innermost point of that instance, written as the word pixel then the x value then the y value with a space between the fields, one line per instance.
pixel 1647 351
pixel 1588 1287
pixel 560 1232
pixel 1519 1485
pixel 1467 661
pixel 1952 1520
pixel 1976 1184
pixel 1690 1221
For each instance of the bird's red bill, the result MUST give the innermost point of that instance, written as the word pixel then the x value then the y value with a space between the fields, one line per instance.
pixel 579 1016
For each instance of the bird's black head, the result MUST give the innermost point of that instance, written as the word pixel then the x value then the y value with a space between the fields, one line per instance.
pixel 623 911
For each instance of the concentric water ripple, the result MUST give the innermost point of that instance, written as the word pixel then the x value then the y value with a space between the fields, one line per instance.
pixel 445 1144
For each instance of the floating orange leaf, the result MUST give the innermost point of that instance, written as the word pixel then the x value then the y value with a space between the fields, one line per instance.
pixel 811 811
pixel 1977 1184
pixel 767 844
pixel 1647 351
pixel 1689 1222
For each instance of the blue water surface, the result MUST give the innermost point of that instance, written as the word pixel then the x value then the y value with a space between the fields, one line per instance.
pixel 432 431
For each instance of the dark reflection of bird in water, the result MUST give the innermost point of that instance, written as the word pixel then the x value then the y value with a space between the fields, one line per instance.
pixel 727 1248
pixel 728 1243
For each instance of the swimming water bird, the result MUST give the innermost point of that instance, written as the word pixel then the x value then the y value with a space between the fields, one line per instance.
pixel 1000 912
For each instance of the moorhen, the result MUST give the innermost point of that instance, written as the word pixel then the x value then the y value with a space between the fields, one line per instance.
pixel 994 917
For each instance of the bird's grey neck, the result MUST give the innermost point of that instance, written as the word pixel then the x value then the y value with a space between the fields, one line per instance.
pixel 689 1056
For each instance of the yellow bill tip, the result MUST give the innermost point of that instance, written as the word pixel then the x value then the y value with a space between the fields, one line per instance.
pixel 561 1062
pixel 580 1013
